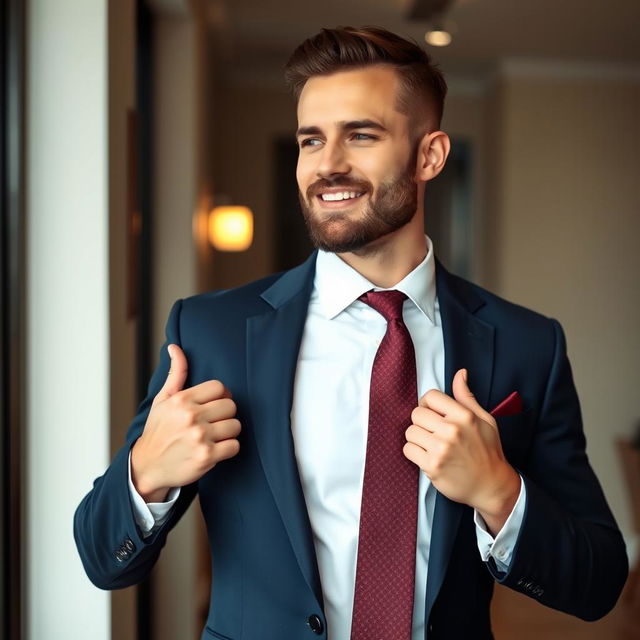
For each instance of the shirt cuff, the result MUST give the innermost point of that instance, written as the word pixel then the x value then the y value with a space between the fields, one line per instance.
pixel 150 516
pixel 501 547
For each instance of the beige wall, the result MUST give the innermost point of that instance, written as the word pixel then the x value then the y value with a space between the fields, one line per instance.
pixel 568 219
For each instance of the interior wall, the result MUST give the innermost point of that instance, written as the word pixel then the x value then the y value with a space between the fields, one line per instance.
pixel 180 201
pixel 249 121
pixel 122 325
pixel 67 307
pixel 569 218
pixel 465 119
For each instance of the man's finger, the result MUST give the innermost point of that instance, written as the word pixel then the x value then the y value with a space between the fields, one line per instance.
pixel 441 403
pixel 177 373
pixel 427 418
pixel 208 391
pixel 464 395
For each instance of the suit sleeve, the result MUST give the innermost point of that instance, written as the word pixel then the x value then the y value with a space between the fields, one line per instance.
pixel 112 548
pixel 570 554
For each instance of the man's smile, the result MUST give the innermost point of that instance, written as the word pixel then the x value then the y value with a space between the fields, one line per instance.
pixel 338 197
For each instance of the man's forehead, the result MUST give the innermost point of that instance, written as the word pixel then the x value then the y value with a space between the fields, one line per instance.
pixel 368 93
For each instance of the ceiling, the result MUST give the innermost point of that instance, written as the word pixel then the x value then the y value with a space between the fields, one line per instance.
pixel 256 36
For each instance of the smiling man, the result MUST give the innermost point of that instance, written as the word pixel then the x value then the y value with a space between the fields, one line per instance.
pixel 374 441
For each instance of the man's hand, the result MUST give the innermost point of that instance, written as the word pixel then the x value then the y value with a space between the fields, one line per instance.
pixel 187 432
pixel 456 443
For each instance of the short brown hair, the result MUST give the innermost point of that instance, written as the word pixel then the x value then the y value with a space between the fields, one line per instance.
pixel 345 48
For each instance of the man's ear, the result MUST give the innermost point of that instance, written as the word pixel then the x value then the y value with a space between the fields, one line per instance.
pixel 433 150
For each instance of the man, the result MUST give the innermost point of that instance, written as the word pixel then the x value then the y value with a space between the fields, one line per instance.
pixel 374 441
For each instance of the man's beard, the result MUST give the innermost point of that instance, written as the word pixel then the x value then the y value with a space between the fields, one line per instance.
pixel 341 232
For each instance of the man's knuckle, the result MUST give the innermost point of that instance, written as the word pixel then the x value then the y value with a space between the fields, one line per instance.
pixel 202 455
pixel 467 416
pixel 453 434
pixel 198 434
pixel 430 395
pixel 216 388
pixel 228 407
pixel 188 415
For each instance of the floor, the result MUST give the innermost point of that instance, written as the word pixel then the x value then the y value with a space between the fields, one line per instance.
pixel 517 617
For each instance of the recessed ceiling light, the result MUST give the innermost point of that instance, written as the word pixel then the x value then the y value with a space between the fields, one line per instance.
pixel 437 37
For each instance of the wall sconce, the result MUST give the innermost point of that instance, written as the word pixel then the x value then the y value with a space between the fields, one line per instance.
pixel 231 228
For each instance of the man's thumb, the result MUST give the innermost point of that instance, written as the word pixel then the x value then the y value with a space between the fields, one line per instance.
pixel 177 373
pixel 463 394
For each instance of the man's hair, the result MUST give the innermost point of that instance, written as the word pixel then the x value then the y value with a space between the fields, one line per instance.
pixel 422 86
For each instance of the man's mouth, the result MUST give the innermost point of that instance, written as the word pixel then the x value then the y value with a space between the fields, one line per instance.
pixel 337 196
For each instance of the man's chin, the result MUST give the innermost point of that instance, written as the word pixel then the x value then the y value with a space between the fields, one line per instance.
pixel 338 236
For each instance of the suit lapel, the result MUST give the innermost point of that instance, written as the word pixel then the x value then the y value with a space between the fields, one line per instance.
pixel 468 343
pixel 273 341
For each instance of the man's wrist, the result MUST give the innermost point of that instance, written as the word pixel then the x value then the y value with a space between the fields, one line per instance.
pixel 143 482
pixel 495 510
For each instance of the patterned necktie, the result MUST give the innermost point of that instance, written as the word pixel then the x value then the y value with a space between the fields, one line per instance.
pixel 385 574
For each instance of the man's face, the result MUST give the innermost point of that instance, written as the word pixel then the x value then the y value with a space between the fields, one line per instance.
pixel 356 165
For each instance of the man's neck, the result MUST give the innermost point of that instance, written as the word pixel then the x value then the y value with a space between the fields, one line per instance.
pixel 390 259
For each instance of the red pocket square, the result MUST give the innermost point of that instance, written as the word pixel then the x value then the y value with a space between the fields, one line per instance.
pixel 511 405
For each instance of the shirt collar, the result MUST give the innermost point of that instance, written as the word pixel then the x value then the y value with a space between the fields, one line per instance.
pixel 337 285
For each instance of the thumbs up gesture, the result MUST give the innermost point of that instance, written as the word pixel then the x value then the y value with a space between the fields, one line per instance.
pixel 187 433
pixel 456 443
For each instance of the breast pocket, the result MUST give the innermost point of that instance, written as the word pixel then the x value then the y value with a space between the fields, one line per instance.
pixel 516 432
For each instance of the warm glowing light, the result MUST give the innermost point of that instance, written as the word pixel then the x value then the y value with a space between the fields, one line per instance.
pixel 231 228
pixel 438 37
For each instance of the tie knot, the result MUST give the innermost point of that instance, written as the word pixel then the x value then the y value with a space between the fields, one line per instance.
pixel 387 303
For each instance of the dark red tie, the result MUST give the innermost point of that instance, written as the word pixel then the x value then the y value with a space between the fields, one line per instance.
pixel 385 574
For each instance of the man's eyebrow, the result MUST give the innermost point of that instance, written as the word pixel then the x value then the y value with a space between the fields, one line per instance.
pixel 346 126
pixel 362 124
pixel 308 131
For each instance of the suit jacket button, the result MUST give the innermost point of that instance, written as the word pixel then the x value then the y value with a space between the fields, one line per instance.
pixel 315 623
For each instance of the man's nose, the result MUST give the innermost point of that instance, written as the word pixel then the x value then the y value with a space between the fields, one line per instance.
pixel 333 161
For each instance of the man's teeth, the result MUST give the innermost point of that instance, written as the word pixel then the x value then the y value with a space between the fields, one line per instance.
pixel 343 195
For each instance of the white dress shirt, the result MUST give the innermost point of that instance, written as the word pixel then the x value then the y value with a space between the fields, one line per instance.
pixel 329 422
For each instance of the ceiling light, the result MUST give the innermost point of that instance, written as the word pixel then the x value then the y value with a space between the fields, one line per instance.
pixel 437 37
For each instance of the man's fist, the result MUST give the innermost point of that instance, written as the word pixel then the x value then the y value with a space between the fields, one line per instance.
pixel 187 432
pixel 456 443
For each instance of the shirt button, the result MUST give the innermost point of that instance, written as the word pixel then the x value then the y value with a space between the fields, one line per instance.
pixel 315 623
pixel 502 554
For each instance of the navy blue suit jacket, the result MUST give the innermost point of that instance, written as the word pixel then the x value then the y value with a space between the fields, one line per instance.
pixel 569 554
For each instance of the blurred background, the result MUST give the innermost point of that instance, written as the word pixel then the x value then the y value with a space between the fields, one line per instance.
pixel 127 125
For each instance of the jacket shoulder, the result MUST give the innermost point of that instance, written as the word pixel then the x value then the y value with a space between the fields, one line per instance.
pixel 245 299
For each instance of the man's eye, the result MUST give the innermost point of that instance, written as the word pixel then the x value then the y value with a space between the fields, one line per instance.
pixel 363 136
pixel 309 142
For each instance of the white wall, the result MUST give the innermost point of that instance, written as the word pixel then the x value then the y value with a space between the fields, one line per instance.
pixel 67 315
